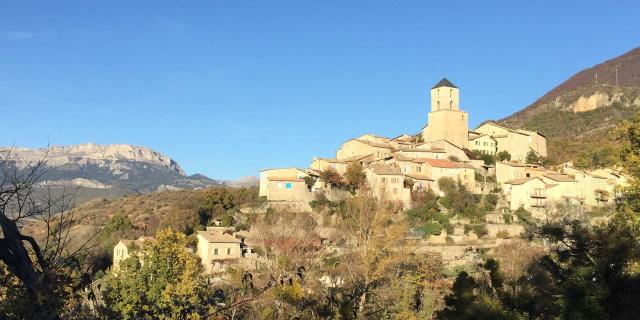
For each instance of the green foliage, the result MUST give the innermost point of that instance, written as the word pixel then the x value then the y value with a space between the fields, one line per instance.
pixel 522 214
pixel 503 155
pixel 460 201
pixel 488 159
pixel 490 201
pixel 532 157
pixel 480 230
pixel 309 181
pixel 164 282
pixel 508 218
pixel 431 228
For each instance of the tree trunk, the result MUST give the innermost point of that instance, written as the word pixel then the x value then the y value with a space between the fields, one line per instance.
pixel 16 256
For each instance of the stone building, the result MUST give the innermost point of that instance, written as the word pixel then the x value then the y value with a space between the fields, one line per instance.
pixel 446 121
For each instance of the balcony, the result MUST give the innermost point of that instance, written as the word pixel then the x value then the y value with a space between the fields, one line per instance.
pixel 538 194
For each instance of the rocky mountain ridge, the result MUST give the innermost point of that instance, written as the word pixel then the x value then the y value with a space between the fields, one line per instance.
pixel 107 171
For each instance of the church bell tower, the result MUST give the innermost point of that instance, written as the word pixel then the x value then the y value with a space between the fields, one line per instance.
pixel 446 121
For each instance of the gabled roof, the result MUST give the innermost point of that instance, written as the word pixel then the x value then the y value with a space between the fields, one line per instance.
pixel 521 180
pixel 383 169
pixel 419 176
pixel 559 177
pixel 444 83
pixel 289 179
pixel 502 127
pixel 441 163
pixel 374 144
pixel 217 236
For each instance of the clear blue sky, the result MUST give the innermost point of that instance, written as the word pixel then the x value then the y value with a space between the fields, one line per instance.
pixel 229 87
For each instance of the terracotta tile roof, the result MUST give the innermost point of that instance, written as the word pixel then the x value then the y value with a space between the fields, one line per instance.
pixel 419 176
pixel 441 163
pixel 291 179
pixel 374 144
pixel 383 169
pixel 520 181
pixel 559 177
pixel 435 150
pixel 217 236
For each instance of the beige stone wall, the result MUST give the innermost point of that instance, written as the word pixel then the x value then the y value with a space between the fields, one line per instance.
pixel 530 195
pixel 445 98
pixel 506 172
pixel 465 176
pixel 485 144
pixel 516 142
pixel 120 253
pixel 450 150
pixel 322 165
pixel 354 148
pixel 213 255
pixel 452 126
pixel 288 191
pixel 280 172
pixel 389 187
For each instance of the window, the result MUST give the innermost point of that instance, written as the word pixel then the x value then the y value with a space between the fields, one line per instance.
pixel 228 251
pixel 384 179
pixel 288 185
pixel 215 251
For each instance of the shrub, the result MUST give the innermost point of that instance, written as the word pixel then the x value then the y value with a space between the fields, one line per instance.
pixel 309 181
pixel 332 177
pixel 503 155
pixel 489 159
pixel 354 176
pixel 431 228
pixel 490 201
pixel 502 234
pixel 480 230
pixel 508 218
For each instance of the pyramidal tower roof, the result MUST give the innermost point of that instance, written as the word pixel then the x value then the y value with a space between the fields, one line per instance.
pixel 444 83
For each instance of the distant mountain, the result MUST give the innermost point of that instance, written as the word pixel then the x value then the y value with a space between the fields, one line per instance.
pixel 577 115
pixel 109 171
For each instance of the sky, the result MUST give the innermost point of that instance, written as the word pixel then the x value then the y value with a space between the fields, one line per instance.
pixel 228 88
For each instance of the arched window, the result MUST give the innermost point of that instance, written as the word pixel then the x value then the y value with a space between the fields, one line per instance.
pixel 450 105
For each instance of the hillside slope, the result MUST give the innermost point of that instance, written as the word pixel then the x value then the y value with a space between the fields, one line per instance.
pixel 578 115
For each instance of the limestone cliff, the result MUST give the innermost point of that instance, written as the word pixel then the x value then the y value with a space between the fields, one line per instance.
pixel 108 171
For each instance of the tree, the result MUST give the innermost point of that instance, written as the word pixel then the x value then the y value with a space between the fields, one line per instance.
pixel 488 159
pixel 161 280
pixel 354 176
pixel 332 177
pixel 503 155
pixel 532 157
pixel 46 274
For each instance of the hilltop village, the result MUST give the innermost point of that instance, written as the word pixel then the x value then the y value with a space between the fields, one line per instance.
pixel 489 162
pixel 488 158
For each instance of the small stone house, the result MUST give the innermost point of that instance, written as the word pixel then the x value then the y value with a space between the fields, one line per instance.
pixel 125 247
pixel 217 249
